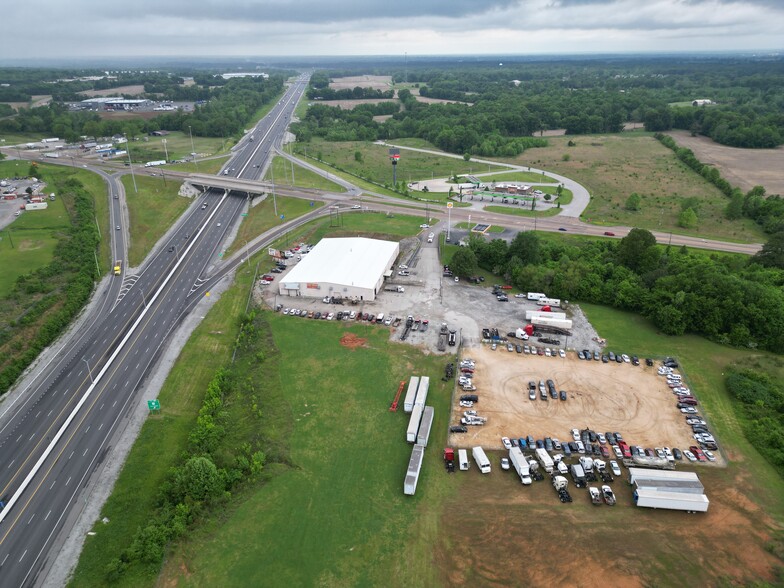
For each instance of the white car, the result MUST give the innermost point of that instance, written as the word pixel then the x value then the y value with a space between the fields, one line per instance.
pixel 547 352
pixel 709 455
pixel 330 316
pixel 562 353
pixel 616 470
pixel 519 295
pixel 424 226
pixel 286 311
pixel 504 463
pixel 689 455
pixel 576 434
pixel 602 438
pixel 466 404
pixel 507 443
pixel 580 446
pixel 689 410
pixel 356 207
pixel 625 358
pixel 617 451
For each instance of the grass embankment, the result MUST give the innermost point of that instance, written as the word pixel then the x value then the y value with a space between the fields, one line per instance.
pixel 179 147
pixel 611 167
pixel 262 217
pixel 152 210
pixel 374 163
pixel 286 172
pixel 204 166
pixel 516 176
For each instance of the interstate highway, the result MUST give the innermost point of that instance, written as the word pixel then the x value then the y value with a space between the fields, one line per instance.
pixel 132 323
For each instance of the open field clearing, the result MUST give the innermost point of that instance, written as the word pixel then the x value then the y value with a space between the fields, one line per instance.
pixel 365 81
pixel 744 168
pixel 611 167
pixel 133 90
pixel 352 104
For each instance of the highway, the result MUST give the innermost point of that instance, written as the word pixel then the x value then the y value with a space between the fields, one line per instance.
pixel 58 431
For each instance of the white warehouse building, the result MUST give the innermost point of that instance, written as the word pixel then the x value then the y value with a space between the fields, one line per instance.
pixel 353 267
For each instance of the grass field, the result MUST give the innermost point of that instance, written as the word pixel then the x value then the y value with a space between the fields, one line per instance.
pixel 262 218
pixel 530 177
pixel 205 166
pixel 522 211
pixel 178 145
pixel 611 167
pixel 375 164
pixel 283 173
pixel 152 212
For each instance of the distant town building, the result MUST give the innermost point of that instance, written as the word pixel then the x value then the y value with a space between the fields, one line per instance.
pixel 702 102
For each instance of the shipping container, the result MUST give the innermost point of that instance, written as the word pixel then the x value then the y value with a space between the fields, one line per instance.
pixel 414 467
pixel 565 324
pixel 421 397
pixel 408 403
pixel 423 435
pixel 413 424
pixel 652 498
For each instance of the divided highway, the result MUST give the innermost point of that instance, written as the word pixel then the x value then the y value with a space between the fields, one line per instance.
pixel 58 431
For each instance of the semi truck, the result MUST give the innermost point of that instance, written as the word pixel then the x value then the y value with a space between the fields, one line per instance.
pixel 423 435
pixel 578 475
pixel 481 460
pixel 413 424
pixel 117 267
pixel 155 163
pixel 543 321
pixel 651 498
pixel 530 314
pixel 395 289
pixel 549 302
pixel 560 484
pixel 545 460
pixel 520 464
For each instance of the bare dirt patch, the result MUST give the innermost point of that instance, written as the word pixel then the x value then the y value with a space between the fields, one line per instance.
pixel 352 104
pixel 351 341
pixel 744 168
pixel 134 90
pixel 550 133
pixel 428 100
pixel 351 82
pixel 633 400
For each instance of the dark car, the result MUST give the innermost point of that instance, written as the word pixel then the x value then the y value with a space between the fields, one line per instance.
pixel 458 429
pixel 566 449
pixel 267 277
pixel 548 444
pixel 573 446
pixel 317 315
pixel 276 270
pixel 605 359
pixel 612 355
pixel 610 438
pixel 470 397
pixel 604 451
pixel 592 436
pixel 580 355
pixel 530 440
pixel 618 359
pixel 649 452
pixel 519 348
pixel 588 355
pixel 676 453
pixel 649 362
pixel 539 444
pixel 635 360
pixel 609 234
pixel 563 394
pixel 596 356
pixel 522 443
pixel 562 229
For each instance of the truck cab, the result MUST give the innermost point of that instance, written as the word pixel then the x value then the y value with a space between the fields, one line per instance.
pixel 117 267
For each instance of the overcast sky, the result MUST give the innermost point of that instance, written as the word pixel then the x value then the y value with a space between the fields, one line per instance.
pixel 259 28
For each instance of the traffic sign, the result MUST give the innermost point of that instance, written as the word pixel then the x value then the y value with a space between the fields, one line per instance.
pixel 449 205
pixel 282 217
pixel 244 214
pixel 154 405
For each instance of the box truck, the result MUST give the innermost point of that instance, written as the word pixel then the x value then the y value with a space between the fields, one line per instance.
pixel 462 458
pixel 520 464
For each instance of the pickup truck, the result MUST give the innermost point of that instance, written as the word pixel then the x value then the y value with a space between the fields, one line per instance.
pixel 395 289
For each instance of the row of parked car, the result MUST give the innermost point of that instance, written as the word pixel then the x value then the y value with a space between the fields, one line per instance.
pixel 544 388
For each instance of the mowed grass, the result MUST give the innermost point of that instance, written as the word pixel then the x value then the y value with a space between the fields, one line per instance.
pixel 611 167
pixel 334 514
pixel 178 145
pixel 161 440
pixel 262 217
pixel 517 176
pixel 152 212
pixel 205 166
pixel 286 172
pixel 375 164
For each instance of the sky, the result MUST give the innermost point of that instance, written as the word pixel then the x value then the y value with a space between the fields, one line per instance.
pixel 266 28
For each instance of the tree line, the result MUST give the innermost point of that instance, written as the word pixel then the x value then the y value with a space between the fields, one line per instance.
pixel 43 303
pixel 725 298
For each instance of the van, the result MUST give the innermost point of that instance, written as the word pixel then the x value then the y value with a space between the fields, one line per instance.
pixel 462 456
pixel 380 317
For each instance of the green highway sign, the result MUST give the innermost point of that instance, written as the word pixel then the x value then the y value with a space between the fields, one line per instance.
pixel 154 404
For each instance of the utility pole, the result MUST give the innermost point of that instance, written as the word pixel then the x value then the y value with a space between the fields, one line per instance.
pixel 274 200
pixel 89 373
pixel 165 150
pixel 193 149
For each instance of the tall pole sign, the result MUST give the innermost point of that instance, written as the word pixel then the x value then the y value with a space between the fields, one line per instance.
pixel 394 157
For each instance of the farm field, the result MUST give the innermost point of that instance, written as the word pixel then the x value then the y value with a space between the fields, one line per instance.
pixel 363 81
pixel 744 168
pixel 352 104
pixel 611 167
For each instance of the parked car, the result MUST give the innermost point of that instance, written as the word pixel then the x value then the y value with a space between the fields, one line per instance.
pixel 616 470
pixel 504 463
pixel 506 442
pixel 563 394
pixel 458 429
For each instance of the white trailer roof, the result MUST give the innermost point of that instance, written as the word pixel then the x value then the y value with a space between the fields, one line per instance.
pixel 676 497
pixel 651 474
pixel 679 486
pixel 351 261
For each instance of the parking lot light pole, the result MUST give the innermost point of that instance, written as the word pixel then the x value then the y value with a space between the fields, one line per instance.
pixel 130 163
pixel 89 373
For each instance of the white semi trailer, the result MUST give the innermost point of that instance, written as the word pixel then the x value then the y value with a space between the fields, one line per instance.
pixel 520 464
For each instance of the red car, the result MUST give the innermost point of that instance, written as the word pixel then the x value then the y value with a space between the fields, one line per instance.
pixel 698 453
pixel 609 234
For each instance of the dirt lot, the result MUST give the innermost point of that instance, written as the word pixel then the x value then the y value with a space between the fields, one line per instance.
pixel 744 168
pixel 375 82
pixel 633 400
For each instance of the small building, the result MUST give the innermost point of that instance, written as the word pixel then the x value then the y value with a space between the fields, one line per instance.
pixel 702 102
pixel 353 268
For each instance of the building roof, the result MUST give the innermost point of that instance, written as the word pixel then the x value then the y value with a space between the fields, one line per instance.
pixel 352 261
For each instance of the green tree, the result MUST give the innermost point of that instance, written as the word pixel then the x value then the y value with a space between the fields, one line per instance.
pixel 358 156
pixel 687 219
pixel 466 156
pixel 638 251
pixel 772 252
pixel 199 479
pixel 526 246
pixel 633 201
pixel 463 262
pixel 734 208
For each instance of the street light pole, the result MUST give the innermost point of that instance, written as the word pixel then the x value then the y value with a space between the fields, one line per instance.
pixel 274 200
pixel 165 149
pixel 89 373
pixel 130 163
pixel 193 149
